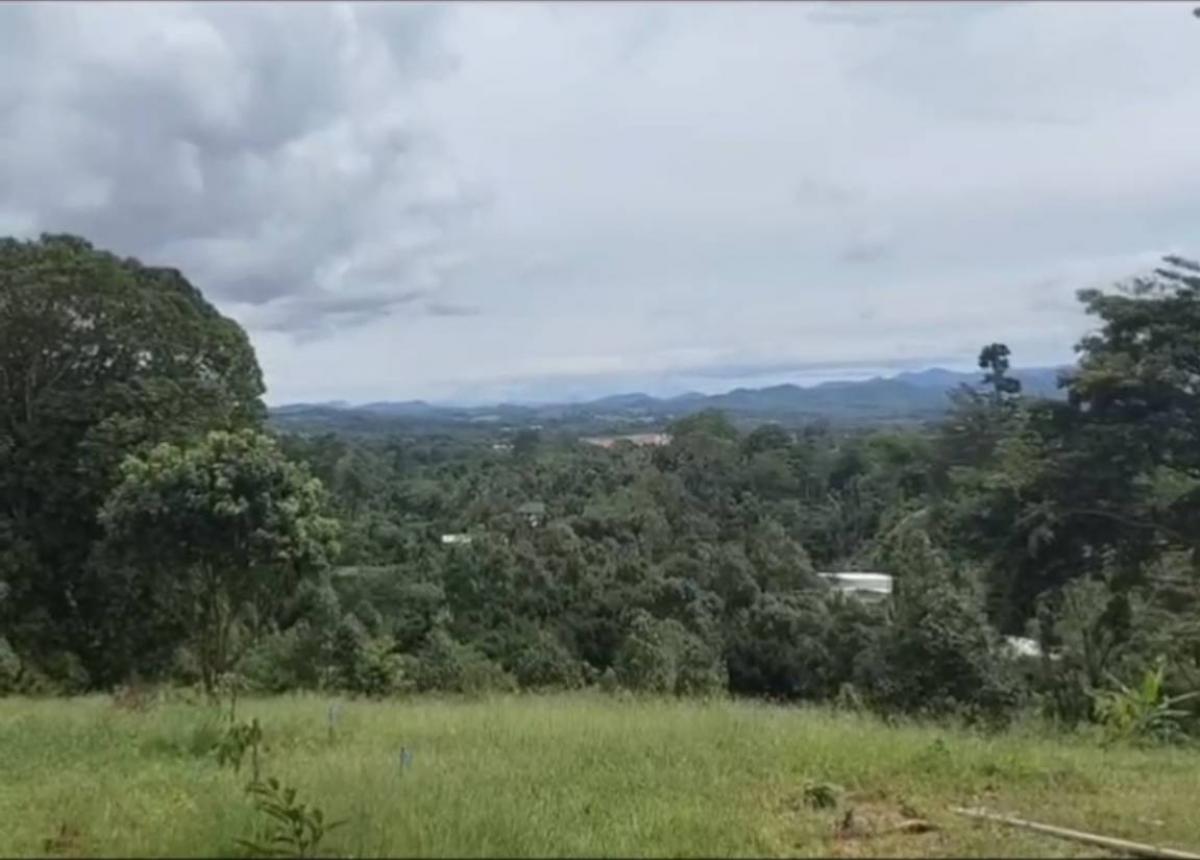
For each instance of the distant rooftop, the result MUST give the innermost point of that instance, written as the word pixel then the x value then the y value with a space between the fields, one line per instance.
pixel 639 439
pixel 877 583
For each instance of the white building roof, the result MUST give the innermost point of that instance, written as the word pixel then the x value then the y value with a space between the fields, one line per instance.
pixel 880 583
pixel 1021 646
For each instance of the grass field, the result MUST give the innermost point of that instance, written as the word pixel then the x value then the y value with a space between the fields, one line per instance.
pixel 568 775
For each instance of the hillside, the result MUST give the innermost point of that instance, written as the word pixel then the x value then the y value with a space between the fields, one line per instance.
pixel 906 397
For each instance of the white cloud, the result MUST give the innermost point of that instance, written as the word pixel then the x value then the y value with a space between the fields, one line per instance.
pixel 411 201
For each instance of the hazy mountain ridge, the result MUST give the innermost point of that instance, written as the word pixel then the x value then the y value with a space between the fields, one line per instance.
pixel 912 395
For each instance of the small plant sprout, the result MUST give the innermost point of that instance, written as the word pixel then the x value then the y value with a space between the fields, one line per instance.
pixel 293 829
pixel 821 795
pixel 239 739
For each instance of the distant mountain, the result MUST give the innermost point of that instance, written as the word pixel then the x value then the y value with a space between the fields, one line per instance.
pixel 625 401
pixel 405 407
pixel 935 377
pixel 910 396
pixel 304 407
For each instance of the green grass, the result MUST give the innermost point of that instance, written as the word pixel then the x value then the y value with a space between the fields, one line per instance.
pixel 567 775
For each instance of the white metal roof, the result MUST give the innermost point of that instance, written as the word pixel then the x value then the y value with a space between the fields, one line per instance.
pixel 853 581
pixel 1023 646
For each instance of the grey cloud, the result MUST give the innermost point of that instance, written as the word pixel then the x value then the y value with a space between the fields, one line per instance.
pixel 1052 295
pixel 823 192
pixel 874 15
pixel 314 315
pixel 643 33
pixel 269 151
pixel 672 189
pixel 869 245
pixel 1057 81
pixel 446 309
pixel 866 251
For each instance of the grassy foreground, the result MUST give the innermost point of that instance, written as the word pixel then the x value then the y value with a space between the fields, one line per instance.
pixel 567 775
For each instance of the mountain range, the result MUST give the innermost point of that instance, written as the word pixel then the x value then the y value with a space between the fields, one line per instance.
pixel 905 397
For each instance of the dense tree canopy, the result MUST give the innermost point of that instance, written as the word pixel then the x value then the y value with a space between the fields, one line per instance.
pixel 99 357
pixel 518 557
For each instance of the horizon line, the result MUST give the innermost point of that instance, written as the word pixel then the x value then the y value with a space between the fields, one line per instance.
pixel 476 403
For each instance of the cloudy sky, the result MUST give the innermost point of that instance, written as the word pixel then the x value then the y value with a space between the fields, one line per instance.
pixel 480 201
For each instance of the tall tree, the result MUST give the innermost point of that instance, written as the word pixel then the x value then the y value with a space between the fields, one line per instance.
pixel 994 359
pixel 98 356
pixel 1137 394
pixel 215 535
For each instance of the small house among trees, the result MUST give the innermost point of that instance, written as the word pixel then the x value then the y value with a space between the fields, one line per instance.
pixel 873 587
pixel 533 512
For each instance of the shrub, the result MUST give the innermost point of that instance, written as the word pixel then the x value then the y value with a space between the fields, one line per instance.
pixel 10 669
pixel 700 669
pixel 662 656
pixel 646 659
pixel 67 673
pixel 781 649
pixel 939 656
pixel 446 665
pixel 380 670
pixel 281 661
pixel 608 681
pixel 545 663
pixel 1144 712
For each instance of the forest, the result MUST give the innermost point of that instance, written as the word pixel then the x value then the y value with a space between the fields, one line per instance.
pixel 154 530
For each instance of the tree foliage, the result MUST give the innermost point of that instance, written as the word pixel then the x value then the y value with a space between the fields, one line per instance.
pixel 214 534
pixel 99 357
pixel 688 568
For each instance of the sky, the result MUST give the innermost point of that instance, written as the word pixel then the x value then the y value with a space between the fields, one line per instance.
pixel 485 201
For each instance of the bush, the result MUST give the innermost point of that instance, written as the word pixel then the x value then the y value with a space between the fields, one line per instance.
pixel 781 649
pixel 545 663
pixel 1090 625
pixel 59 673
pixel 608 681
pixel 661 656
pixel 380 670
pixel 446 665
pixel 302 657
pixel 646 659
pixel 276 662
pixel 700 670
pixel 66 673
pixel 938 657
pixel 348 643
pixel 10 669
pixel 1143 712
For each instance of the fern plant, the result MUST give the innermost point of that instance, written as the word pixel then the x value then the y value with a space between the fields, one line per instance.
pixel 1141 713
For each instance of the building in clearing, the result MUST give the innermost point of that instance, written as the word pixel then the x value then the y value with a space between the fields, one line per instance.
pixel 456 539
pixel 533 512
pixel 641 440
pixel 872 587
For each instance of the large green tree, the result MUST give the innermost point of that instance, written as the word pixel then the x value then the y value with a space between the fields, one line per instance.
pixel 1138 387
pixel 98 356
pixel 1104 483
pixel 214 536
